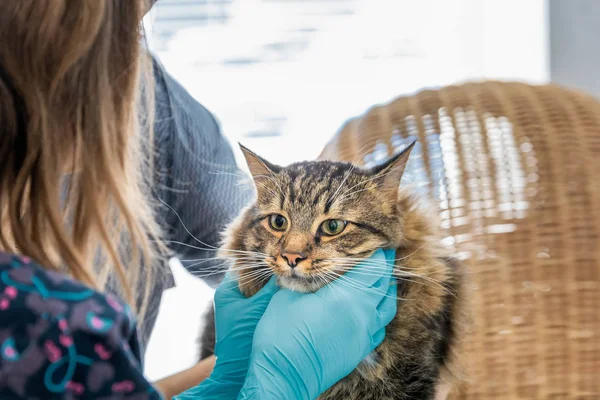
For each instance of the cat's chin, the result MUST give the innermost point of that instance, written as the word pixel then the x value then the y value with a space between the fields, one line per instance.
pixel 298 284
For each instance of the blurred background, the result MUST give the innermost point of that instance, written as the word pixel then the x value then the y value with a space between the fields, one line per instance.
pixel 282 76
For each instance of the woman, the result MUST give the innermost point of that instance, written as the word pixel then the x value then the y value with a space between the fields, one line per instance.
pixel 68 78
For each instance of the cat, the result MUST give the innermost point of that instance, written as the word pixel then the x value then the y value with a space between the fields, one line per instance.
pixel 314 220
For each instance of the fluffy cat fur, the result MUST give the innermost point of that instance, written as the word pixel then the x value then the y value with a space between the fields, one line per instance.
pixel 420 352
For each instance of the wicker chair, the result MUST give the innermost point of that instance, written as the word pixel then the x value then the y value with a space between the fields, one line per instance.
pixel 514 169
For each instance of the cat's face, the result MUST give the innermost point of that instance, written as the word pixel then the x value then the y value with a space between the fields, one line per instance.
pixel 312 221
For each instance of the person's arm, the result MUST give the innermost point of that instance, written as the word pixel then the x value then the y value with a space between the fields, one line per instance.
pixel 236 316
pixel 184 380
pixel 60 339
pixel 198 178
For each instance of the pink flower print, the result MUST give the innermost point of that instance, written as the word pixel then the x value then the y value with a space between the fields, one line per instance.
pixel 52 350
pixel 4 303
pixel 62 325
pixel 123 387
pixel 65 340
pixel 114 303
pixel 10 292
pixel 10 353
pixel 97 323
pixel 102 352
pixel 76 388
pixel 26 260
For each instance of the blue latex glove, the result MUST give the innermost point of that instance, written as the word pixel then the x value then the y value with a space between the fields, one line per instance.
pixel 236 318
pixel 305 343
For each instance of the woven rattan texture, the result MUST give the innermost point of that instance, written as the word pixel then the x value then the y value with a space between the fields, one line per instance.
pixel 515 171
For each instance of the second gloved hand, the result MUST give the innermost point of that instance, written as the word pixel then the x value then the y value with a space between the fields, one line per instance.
pixel 236 318
pixel 305 343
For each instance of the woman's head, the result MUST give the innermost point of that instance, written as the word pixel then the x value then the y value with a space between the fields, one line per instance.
pixel 68 89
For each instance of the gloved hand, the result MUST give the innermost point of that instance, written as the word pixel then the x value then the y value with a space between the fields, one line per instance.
pixel 305 343
pixel 236 318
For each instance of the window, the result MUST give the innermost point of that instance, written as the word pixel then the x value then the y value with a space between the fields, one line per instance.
pixel 283 75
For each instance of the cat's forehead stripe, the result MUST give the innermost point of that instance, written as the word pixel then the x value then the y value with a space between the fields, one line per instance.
pixel 312 188
pixel 314 183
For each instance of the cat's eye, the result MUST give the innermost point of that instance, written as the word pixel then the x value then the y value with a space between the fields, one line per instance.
pixel 333 227
pixel 278 222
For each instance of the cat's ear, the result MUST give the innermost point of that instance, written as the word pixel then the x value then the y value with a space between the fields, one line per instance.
pixel 389 174
pixel 260 168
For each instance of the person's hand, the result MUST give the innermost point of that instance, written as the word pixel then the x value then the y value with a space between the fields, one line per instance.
pixel 236 318
pixel 305 343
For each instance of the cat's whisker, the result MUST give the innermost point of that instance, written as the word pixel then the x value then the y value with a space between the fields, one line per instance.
pixel 219 268
pixel 347 280
pixel 399 272
pixel 242 257
pixel 404 275
pixel 225 267
pixel 343 282
pixel 349 191
pixel 271 177
pixel 199 259
pixel 345 196
pixel 432 269
pixel 190 266
pixel 246 264
pixel 379 176
pixel 237 174
pixel 379 269
pixel 249 267
pixel 204 275
pixel 322 279
pixel 252 274
pixel 209 247
pixel 421 247
pixel 383 263
pixel 235 252
pixel 185 227
pixel 361 153
pixel 243 179
pixel 430 283
pixel 222 250
pixel 247 280
pixel 190 246
pixel 333 197
pixel 245 258
pixel 249 271
pixel 263 186
pixel 342 279
pixel 208 272
pixel 353 166
pixel 238 257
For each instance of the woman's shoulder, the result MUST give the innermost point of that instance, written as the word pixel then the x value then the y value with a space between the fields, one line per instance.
pixel 53 296
pixel 25 273
pixel 59 338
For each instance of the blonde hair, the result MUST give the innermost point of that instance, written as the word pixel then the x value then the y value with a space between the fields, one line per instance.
pixel 68 93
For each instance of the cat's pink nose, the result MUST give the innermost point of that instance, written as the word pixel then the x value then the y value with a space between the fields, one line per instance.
pixel 293 258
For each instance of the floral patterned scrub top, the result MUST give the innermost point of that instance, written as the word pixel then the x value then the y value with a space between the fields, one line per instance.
pixel 62 340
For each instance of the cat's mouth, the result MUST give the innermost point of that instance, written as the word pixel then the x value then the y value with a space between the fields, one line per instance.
pixel 307 278
pixel 302 278
pixel 299 283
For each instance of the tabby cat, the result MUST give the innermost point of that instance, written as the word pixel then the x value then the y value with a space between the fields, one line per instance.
pixel 312 221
